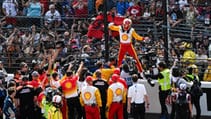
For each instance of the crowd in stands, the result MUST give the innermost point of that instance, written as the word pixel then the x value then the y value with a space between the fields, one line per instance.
pixel 77 32
pixel 82 37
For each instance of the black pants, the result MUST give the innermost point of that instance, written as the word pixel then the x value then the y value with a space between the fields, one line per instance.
pixel 162 97
pixel 74 103
pixel 182 112
pixel 138 111
pixel 196 102
pixel 103 110
pixel 27 112
pixel 173 111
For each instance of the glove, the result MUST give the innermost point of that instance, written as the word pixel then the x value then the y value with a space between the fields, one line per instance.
pixel 151 82
pixel 107 108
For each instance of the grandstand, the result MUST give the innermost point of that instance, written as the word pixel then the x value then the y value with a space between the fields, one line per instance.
pixel 145 28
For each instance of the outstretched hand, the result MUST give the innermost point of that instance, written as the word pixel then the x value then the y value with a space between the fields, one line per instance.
pixel 146 38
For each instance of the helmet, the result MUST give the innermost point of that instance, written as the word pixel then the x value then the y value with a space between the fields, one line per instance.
pixel 117 71
pixel 114 77
pixel 127 24
pixel 176 72
pixel 186 45
pixel 48 93
pixel 183 86
pixel 56 99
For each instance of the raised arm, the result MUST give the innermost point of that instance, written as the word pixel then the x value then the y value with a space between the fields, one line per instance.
pixel 136 36
pixel 113 27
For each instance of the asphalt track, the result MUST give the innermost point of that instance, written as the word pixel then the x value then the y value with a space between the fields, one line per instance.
pixel 156 116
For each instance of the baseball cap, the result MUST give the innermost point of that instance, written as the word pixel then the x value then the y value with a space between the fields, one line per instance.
pixel 114 77
pixel 89 78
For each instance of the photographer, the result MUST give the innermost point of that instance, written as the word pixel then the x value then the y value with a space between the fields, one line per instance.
pixel 164 86
pixel 3 72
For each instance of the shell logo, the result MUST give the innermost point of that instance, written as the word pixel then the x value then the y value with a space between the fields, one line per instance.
pixel 118 91
pixel 87 95
pixel 68 85
pixel 124 37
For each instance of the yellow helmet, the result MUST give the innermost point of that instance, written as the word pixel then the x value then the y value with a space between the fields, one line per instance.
pixel 186 45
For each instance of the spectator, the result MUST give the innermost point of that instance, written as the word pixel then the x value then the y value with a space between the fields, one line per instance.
pixel 121 7
pixel 159 14
pixel 189 56
pixel 99 5
pixel 68 10
pixel 58 5
pixel 86 51
pixel 175 16
pixel 35 8
pixel 3 72
pixel 17 77
pixel 131 2
pixel 191 14
pixel 80 8
pixel 34 11
pixel 182 4
pixel 96 28
pixel 9 8
pixel 207 73
pixel 207 16
pixel 24 69
pixel 52 17
pixel 153 6
pixel 135 12
pixel 45 5
pixel 201 61
pixel 91 7
pixel 146 15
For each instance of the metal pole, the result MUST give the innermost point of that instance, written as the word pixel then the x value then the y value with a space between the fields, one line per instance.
pixel 166 31
pixel 106 35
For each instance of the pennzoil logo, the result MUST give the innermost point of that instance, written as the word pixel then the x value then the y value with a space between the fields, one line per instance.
pixel 124 37
pixel 118 91
pixel 87 95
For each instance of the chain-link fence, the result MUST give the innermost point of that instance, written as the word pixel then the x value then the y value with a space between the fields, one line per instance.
pixel 22 41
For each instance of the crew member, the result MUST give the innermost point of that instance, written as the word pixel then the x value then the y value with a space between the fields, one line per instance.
pixel 115 98
pixel 91 100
